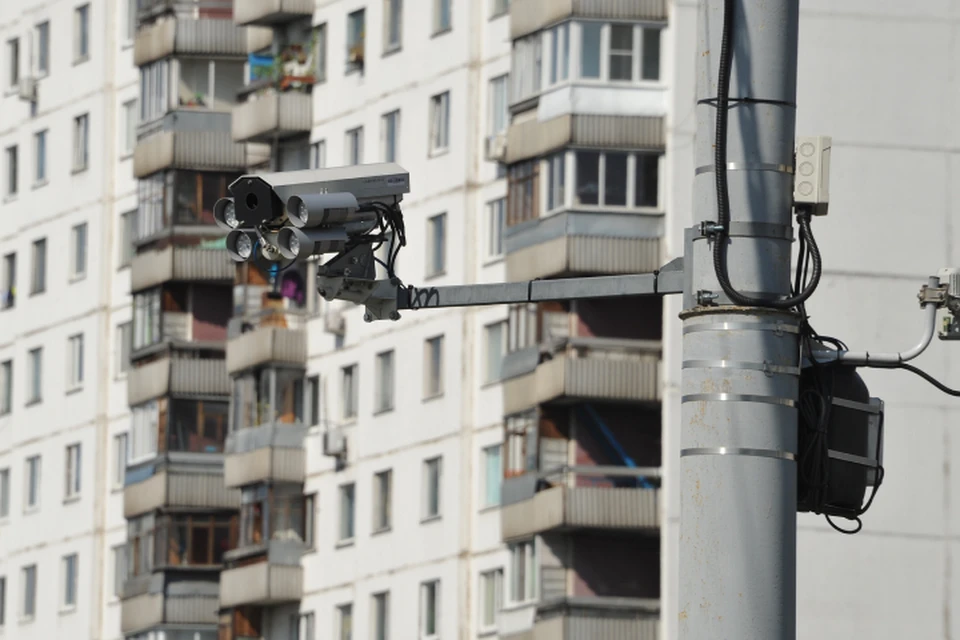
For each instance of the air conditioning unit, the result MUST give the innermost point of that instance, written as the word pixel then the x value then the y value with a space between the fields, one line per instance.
pixel 334 322
pixel 335 443
pixel 27 89
pixel 496 147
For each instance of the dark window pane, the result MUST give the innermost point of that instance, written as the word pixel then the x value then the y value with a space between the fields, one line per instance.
pixel 646 180
pixel 588 177
pixel 651 54
pixel 615 180
pixel 621 52
pixel 185 187
pixel 200 543
pixel 221 542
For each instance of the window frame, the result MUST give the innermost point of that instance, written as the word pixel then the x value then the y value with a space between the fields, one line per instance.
pixel 574 158
pixel 485 453
pixel 81 33
pixel 119 553
pixel 42 33
pixel 40 157
pixel 390 135
pixel 121 455
pixel 433 356
pixel 384 388
pixel 4 493
pixel 356 40
pixel 33 476
pixel 432 492
pixel 442 17
pixel 380 614
pixel 346 519
pixel 349 393
pixel 35 377
pixel 11 158
pixel 13 62
pixel 9 291
pixel 320 67
pixel 6 387
pixel 38 274
pixel 439 141
pixel 524 555
pixel 429 609
pixel 392 26
pixel 75 362
pixel 436 245
pixel 498 120
pixel 70 568
pixel 344 613
pixel 496 223
pixel 353 149
pixel 489 376
pixel 130 111
pixel 382 517
pixel 28 578
pixel 79 250
pixel 318 154
pixel 73 472
pixel 81 143
pixel 494 576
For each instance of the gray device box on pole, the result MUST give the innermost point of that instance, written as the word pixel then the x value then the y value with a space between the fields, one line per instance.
pixel 740 372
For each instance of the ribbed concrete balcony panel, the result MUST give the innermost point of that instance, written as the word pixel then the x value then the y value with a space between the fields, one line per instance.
pixel 259 38
pixel 273 115
pixel 186 36
pixel 563 508
pixel 271 12
pixel 584 255
pixel 179 487
pixel 273 453
pixel 275 337
pixel 591 618
pixel 141 612
pixel 182 264
pixel 527 16
pixel 193 150
pixel 183 602
pixel 516 623
pixel 532 138
pixel 596 369
pixel 177 376
pixel 263 583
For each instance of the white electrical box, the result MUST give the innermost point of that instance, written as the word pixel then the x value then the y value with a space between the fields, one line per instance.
pixel 811 184
pixel 335 443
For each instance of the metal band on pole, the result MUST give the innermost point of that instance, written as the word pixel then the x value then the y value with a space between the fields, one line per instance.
pixel 738 397
pixel 775 327
pixel 738 451
pixel 766 367
pixel 749 166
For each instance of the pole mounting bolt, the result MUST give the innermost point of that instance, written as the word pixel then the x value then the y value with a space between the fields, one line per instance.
pixel 709 228
pixel 706 298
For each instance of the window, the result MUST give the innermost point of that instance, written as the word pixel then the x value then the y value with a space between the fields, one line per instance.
pixel 140 546
pixel 119 569
pixel 320 66
pixel 384 382
pixel 383 497
pixel 28 578
pixel 69 564
pixel 499 113
pixel 559 53
pixel 345 622
pixel 3 601
pixel 144 425
pixel 43 49
pixel 437 243
pixel 12 170
pixel 128 229
pixel 526 67
pixel 627 53
pixel 491 598
pixel 381 616
pixel 354 146
pixel 8 295
pixel 440 123
pixel 496 219
pixel 523 572
pixel 75 370
pixel 130 21
pixel 556 181
pixel 392 25
pixel 6 387
pixel 40 154
pixel 35 366
pixel 318 154
pixel 304 626
pixel 273 513
pixel 522 437
pixel 429 605
pixel 523 192
pixel 356 28
pixel 182 540
pixel 146 319
pixel 266 396
pixel 431 488
pixel 495 338
pixel 119 459
pixel 312 401
pixel 31 498
pixel 591 38
pixel 310 520
pixel 81 142
pixel 81 33
pixel 349 391
pixel 617 179
pixel 492 475
pixel 441 16
pixel 621 52
pixel 124 341
pixel 129 126
pixel 38 283
pixel 73 472
pixel 433 367
pixel 390 135
pixel 500 7
pixel 347 505
pixel 78 250
pixel 4 493
pixel 13 60
pixel 154 90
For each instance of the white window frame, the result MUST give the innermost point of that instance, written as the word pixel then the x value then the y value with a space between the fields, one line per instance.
pixel 572 180
pixel 349 392
pixel 439 8
pixel 119 553
pixel 382 501
pixel 124 344
pixel 4 493
pixel 143 434
pixel 38 276
pixel 440 123
pixel 637 53
pixel 32 483
pixel 390 136
pixel 28 577
pixel 81 33
pixel 69 579
pixel 380 615
pixel 79 250
pixel 81 142
pixel 318 154
pixel 433 367
pixel 130 22
pixel 9 291
pixel 485 455
pixel 499 8
pixel 432 483
pixel 356 42
pixel 6 387
pixel 73 471
pixel 345 621
pixel 555 170
pixel 429 589
pixel 128 231
pixel 75 354
pixel 121 453
pixel 40 157
pixel 320 66
pixel 42 34
pixel 498 120
pixel 524 555
pixel 353 148
pixel 496 223
pixel 13 63
pixel 303 626
pixel 557 54
pixel 130 110
pixel 436 245
pixel 11 158
pixel 494 577
pixel 345 533
pixel 35 375
pixel 491 377
pixel 385 381
pixel 392 17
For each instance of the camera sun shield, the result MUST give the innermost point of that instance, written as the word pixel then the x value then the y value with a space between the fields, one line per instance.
pixel 255 202
pixel 316 209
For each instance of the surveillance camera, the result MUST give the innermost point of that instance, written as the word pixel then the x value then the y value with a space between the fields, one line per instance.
pixel 241 244
pixel 300 244
pixel 225 214
pixel 316 209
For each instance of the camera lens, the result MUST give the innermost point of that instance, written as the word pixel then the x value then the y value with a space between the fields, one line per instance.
pixel 244 246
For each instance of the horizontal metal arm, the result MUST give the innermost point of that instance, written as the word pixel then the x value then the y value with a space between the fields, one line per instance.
pixel 473 295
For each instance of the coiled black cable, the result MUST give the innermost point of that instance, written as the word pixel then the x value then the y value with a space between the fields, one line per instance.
pixel 723 194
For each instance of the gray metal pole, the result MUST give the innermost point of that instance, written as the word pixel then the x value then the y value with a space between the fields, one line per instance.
pixel 740 372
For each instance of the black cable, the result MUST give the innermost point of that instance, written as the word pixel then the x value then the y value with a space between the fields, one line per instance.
pixel 923 374
pixel 723 194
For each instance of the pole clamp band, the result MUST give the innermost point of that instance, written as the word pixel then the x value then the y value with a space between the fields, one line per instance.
pixel 738 397
pixel 748 166
pixel 737 451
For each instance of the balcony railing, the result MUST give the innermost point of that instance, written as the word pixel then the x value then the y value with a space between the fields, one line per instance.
pixel 261 583
pixel 273 114
pixel 270 12
pixel 584 497
pixel 189 36
pixel 271 453
pixel 272 335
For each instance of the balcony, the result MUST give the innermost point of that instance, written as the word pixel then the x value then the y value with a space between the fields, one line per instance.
pixel 584 619
pixel 193 150
pixel 607 498
pixel 175 36
pixel 271 453
pixel 271 12
pixel 147 9
pixel 183 377
pixel 273 335
pixel 273 115
pixel 527 16
pixel 178 480
pixel 578 369
pixel 180 603
pixel 270 580
pixel 182 264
